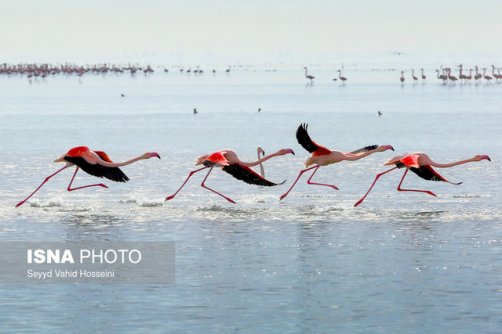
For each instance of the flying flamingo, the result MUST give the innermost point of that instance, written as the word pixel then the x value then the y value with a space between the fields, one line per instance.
pixel 95 163
pixel 342 78
pixel 420 164
pixel 322 156
pixel 402 77
pixel 308 76
pixel 231 164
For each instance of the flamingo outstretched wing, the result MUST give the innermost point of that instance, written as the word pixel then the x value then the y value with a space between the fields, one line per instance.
pixel 111 173
pixel 248 175
pixel 428 173
pixel 365 149
pixel 307 143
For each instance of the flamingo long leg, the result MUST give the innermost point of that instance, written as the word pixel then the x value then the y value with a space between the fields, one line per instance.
pixel 320 184
pixel 88 186
pixel 372 185
pixel 186 180
pixel 40 186
pixel 214 191
pixel 294 183
pixel 413 190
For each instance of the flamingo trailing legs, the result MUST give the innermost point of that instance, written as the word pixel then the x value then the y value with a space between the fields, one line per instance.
pixel 95 163
pixel 322 156
pixel 420 164
pixel 230 163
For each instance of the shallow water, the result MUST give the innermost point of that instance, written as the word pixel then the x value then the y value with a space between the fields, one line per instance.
pixel 310 263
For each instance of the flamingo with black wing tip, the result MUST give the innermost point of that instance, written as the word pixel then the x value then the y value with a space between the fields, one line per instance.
pixel 230 163
pixel 95 163
pixel 420 164
pixel 322 156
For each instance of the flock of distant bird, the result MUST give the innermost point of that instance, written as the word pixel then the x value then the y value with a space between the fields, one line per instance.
pixel 446 76
pixel 45 70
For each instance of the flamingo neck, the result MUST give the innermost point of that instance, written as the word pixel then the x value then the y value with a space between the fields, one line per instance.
pixel 452 164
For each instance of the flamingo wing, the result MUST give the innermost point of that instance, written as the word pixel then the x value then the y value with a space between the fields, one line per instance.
pixel 103 156
pixel 428 173
pixel 111 173
pixel 307 143
pixel 248 175
pixel 365 149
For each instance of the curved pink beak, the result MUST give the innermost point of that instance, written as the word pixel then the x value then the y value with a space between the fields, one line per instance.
pixel 154 154
pixel 291 151
pixel 389 147
pixel 485 157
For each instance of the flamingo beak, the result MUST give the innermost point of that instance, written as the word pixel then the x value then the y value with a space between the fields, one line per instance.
pixel 60 159
pixel 485 157
pixel 389 147
pixel 154 154
pixel 291 151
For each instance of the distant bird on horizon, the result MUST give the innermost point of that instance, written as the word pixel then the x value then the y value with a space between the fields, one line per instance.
pixel 259 109
pixel 423 75
pixel 342 78
pixel 402 77
pixel 415 79
pixel 420 164
pixel 122 95
pixel 380 113
pixel 308 76
pixel 195 112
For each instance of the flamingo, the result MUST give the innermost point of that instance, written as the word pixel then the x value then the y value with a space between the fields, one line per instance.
pixel 461 75
pixel 231 164
pixel 452 78
pixel 228 69
pixel 342 78
pixel 487 77
pixel 423 75
pixel 322 156
pixel 415 79
pixel 402 77
pixel 308 76
pixel 477 75
pixel 420 164
pixel 95 163
pixel 441 76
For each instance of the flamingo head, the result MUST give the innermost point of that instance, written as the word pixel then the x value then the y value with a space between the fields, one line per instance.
pixel 149 155
pixel 388 147
pixel 482 157
pixel 261 151
pixel 285 151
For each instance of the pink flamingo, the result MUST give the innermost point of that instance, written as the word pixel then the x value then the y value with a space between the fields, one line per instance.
pixel 322 156
pixel 341 77
pixel 420 164
pixel 230 163
pixel 402 77
pixel 487 77
pixel 95 163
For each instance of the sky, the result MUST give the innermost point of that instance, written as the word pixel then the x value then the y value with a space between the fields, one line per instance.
pixel 257 30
